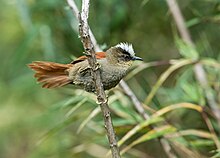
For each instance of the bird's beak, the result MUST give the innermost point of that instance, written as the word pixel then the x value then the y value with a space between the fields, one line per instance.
pixel 137 58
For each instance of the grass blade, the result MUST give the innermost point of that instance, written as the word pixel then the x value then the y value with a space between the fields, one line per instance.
pixel 138 128
pixel 177 106
pixel 154 133
pixel 93 114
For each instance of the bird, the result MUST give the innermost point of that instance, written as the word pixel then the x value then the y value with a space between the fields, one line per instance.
pixel 114 65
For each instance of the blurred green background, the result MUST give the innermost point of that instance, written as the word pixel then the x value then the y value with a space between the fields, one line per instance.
pixel 38 123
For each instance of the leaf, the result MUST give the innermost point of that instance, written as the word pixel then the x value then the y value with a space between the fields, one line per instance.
pixel 66 102
pixel 154 133
pixel 177 106
pixel 194 132
pixel 138 128
pixel 186 50
pixel 202 143
pixel 210 62
pixel 74 108
pixel 192 22
pixel 192 90
pixel 217 155
pixel 93 114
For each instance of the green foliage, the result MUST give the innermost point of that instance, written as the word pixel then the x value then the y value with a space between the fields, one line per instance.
pixel 186 50
pixel 67 122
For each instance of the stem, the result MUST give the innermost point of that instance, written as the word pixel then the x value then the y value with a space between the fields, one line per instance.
pixel 90 52
pixel 211 129
pixel 134 99
pixel 75 11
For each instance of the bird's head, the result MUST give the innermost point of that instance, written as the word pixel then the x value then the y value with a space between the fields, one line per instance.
pixel 122 54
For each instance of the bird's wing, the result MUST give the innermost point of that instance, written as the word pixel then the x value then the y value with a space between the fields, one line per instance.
pixel 99 55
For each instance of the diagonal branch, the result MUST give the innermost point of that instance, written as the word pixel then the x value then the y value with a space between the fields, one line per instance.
pixel 101 96
pixel 75 10
pixel 134 99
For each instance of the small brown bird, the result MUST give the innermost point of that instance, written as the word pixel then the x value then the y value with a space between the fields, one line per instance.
pixel 114 65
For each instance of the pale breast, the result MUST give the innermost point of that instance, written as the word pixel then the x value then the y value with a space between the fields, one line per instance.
pixel 110 75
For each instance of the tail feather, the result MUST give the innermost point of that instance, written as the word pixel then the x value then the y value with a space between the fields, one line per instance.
pixel 51 74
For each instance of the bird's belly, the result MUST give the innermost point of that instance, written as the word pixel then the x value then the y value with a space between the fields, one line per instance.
pixel 110 78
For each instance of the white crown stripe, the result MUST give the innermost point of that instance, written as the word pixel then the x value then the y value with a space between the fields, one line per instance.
pixel 127 47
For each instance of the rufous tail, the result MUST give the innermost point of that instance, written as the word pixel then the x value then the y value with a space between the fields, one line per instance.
pixel 51 74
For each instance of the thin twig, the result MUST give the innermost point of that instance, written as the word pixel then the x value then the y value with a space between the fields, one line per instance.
pixel 211 129
pixel 134 99
pixel 75 11
pixel 101 96
pixel 180 22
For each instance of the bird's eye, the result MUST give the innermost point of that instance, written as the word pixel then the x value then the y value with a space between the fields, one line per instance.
pixel 124 58
pixel 127 57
